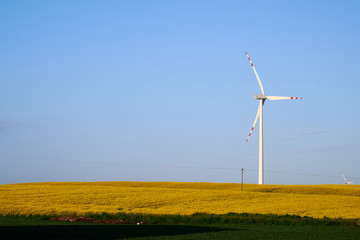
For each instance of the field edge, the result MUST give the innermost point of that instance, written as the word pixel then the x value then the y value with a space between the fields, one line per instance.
pixel 198 218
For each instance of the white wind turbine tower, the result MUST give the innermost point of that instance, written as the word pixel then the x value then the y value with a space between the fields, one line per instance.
pixel 262 99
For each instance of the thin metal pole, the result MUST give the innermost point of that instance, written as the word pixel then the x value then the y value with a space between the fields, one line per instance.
pixel 242 179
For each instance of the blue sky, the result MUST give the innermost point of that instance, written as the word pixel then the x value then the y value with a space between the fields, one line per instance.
pixel 163 91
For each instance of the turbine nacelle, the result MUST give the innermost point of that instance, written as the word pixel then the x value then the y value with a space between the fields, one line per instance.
pixel 258 97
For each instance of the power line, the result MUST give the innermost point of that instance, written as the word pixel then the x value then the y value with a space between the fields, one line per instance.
pixel 168 166
pixel 112 163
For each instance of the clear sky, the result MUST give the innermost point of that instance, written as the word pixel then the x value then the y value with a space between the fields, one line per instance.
pixel 163 91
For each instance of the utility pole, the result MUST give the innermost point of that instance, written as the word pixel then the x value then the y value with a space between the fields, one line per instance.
pixel 242 179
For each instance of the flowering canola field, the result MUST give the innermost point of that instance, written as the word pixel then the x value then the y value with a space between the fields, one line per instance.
pixel 78 198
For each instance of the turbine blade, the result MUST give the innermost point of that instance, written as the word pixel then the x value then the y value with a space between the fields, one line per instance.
pixel 256 118
pixel 257 77
pixel 344 178
pixel 281 98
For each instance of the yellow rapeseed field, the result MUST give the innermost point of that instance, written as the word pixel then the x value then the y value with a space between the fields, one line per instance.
pixel 78 198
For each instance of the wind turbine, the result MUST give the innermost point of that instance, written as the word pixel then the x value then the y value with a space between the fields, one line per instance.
pixel 346 182
pixel 262 99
